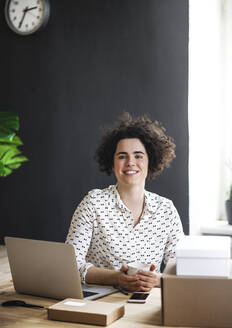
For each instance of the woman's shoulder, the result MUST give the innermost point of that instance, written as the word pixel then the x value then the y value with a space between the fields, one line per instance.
pixel 101 194
pixel 161 205
pixel 154 198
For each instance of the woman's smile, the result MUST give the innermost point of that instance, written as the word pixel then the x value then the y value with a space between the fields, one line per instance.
pixel 130 172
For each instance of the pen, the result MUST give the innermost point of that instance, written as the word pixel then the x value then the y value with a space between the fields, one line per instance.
pixel 121 290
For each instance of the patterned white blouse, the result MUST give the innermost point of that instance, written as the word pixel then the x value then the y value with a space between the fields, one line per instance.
pixel 103 235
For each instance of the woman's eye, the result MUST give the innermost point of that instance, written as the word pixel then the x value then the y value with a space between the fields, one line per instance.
pixel 121 156
pixel 138 156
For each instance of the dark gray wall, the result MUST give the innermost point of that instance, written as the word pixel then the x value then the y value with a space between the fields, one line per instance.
pixel 94 59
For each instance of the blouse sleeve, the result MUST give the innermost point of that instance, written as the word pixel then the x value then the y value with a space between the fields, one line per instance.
pixel 175 233
pixel 80 234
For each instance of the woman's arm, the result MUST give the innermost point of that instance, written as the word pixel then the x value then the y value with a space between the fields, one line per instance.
pixel 80 234
pixel 102 276
pixel 112 277
pixel 143 281
pixel 175 233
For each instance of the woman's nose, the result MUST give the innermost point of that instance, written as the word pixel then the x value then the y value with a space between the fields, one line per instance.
pixel 130 161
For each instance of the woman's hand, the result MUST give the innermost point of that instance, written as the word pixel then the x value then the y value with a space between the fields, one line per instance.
pixel 148 279
pixel 128 282
pixel 142 281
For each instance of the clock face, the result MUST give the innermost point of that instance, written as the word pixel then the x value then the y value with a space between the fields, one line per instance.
pixel 26 16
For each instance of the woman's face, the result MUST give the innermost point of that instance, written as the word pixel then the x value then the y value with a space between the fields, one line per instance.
pixel 130 162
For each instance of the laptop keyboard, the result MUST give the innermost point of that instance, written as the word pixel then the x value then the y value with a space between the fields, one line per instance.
pixel 86 294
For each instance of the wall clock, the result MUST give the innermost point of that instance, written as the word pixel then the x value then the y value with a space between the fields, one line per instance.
pixel 25 17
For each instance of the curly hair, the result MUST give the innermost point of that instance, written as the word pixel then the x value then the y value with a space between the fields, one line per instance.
pixel 160 147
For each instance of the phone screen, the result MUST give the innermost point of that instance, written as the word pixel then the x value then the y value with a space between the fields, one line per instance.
pixel 139 296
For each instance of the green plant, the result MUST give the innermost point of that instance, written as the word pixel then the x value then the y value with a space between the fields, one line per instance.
pixel 10 155
pixel 230 193
pixel 229 166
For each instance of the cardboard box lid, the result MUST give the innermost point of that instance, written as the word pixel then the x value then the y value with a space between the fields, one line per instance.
pixel 203 247
pixel 86 306
pixel 170 270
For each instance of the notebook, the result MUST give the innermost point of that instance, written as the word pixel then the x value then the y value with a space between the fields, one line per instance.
pixel 48 269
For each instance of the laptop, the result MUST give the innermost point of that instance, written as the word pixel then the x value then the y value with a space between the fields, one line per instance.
pixel 48 269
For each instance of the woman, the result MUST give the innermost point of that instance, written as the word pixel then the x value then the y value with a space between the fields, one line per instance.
pixel 125 223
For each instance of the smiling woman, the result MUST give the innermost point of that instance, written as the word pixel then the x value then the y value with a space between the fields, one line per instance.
pixel 125 223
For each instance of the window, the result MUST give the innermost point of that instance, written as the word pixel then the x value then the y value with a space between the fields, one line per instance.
pixel 210 109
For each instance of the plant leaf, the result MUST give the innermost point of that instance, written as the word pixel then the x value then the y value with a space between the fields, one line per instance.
pixel 14 166
pixel 9 124
pixel 16 160
pixel 4 171
pixel 4 149
pixel 15 141
pixel 1 169
pixel 10 155
pixel 230 193
pixel 10 159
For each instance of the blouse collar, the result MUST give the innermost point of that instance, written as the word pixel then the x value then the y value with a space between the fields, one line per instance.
pixel 147 199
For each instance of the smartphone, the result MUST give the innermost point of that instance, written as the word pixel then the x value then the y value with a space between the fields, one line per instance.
pixel 138 297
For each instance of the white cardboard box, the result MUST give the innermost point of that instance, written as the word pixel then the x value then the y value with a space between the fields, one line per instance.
pixel 203 256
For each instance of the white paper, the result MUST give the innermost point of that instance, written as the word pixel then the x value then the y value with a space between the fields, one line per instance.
pixel 72 303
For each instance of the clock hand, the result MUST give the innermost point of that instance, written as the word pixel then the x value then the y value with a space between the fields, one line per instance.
pixel 31 8
pixel 24 13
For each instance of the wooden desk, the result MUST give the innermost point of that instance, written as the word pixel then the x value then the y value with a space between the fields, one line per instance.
pixel 136 315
